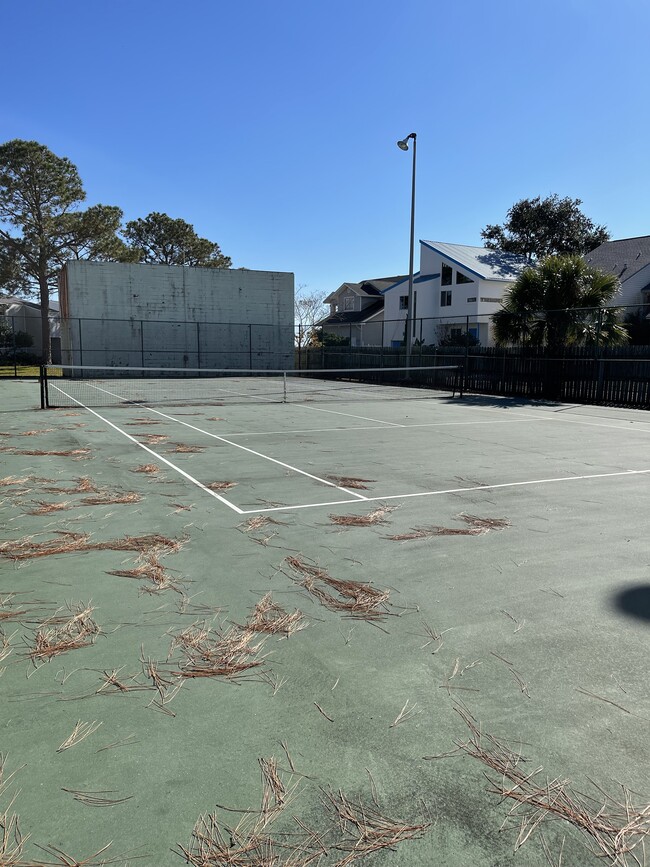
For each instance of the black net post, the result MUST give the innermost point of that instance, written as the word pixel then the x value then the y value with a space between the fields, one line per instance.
pixel 42 378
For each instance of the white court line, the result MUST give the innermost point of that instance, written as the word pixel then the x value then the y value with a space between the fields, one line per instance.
pixel 452 491
pixel 549 415
pixel 161 458
pixel 228 442
pixel 348 414
pixel 376 427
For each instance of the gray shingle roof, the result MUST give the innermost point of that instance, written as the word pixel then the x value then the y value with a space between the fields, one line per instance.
pixel 371 287
pixel 343 317
pixel 623 258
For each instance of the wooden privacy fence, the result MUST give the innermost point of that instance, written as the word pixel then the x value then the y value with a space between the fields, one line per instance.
pixel 618 376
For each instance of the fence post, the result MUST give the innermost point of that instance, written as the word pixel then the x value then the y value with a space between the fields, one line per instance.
pixel 466 360
pixel 81 351
pixel 600 365
pixel 381 349
pixel 13 344
pixel 250 346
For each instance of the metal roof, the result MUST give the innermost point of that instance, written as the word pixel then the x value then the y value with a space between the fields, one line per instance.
pixel 486 264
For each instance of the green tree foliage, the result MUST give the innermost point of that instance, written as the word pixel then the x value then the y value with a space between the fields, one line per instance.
pixel 560 302
pixel 538 228
pixel 162 240
pixel 40 225
pixel 13 339
pixel 93 234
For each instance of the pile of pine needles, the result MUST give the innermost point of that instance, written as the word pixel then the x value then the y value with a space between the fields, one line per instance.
pixel 477 526
pixel 68 629
pixel 350 482
pixel 232 653
pixel 84 485
pixel 364 829
pixel 154 439
pixel 60 453
pixel 485 523
pixel 270 618
pixel 44 508
pixel 67 542
pixel 111 498
pixel 614 828
pixel 377 516
pixel 355 599
pixel 353 830
pixel 152 570
pixel 149 469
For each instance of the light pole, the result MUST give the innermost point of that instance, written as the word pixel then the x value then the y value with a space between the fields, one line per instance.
pixel 404 145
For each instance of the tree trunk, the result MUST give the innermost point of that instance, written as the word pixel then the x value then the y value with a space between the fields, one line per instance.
pixel 45 318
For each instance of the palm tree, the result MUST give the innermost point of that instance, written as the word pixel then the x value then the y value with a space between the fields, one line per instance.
pixel 560 302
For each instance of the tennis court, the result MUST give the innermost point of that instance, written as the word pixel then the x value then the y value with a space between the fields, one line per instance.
pixel 458 624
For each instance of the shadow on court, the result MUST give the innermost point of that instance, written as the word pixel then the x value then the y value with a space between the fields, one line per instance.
pixel 634 601
pixel 498 402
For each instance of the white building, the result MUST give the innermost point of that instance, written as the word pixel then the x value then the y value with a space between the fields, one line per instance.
pixel 457 288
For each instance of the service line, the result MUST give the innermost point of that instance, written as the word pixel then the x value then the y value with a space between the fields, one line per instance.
pixel 230 443
pixel 453 491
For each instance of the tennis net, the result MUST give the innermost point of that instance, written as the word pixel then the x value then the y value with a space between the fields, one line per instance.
pixel 67 385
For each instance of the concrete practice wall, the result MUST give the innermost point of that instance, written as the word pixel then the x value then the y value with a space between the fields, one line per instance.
pixel 171 316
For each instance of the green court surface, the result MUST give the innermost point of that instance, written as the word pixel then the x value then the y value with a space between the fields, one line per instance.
pixel 532 625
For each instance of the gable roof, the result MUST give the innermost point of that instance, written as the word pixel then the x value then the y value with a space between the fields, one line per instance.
pixel 345 317
pixel 484 263
pixel 373 287
pixel 623 258
pixel 417 278
pixel 7 301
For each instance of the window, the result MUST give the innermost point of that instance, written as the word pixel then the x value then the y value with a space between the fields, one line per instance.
pixel 447 274
pixel 461 278
pixel 456 333
pixel 491 300
pixel 403 302
pixel 348 302
pixel 445 298
pixel 469 300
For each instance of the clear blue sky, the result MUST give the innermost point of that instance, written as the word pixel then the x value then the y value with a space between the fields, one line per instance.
pixel 271 126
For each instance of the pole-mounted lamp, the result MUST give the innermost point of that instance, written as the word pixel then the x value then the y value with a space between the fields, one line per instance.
pixel 404 145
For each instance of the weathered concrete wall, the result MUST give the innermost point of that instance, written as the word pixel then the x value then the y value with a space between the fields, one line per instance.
pixel 170 316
